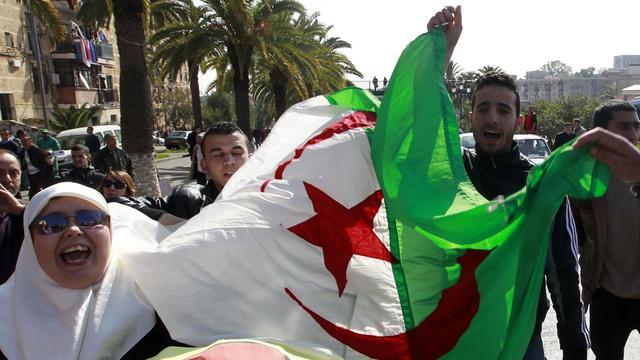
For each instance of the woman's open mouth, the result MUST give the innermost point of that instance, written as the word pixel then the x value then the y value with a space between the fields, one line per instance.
pixel 75 255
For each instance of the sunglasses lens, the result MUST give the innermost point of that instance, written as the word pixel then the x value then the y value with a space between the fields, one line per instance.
pixel 51 223
pixel 89 218
pixel 117 184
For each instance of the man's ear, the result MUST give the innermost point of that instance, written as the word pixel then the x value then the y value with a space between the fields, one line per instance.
pixel 203 164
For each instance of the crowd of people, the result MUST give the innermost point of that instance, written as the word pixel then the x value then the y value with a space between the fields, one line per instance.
pixel 57 252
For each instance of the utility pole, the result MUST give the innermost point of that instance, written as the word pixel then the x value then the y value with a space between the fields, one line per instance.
pixel 35 45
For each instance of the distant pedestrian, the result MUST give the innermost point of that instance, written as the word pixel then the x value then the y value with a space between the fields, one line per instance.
pixel 36 163
pixel 564 136
pixel 375 83
pixel 111 157
pixel 578 129
pixel 92 141
pixel 191 140
pixel 7 143
pixel 531 122
pixel 384 82
pixel 49 145
pixel 199 172
pixel 257 136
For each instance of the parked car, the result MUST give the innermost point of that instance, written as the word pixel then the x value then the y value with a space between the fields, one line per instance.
pixel 177 139
pixel 532 146
pixel 69 138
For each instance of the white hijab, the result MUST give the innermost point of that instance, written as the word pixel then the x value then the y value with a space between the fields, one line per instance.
pixel 39 319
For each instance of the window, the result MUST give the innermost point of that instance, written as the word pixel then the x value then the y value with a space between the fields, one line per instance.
pixel 8 39
pixel 5 107
pixel 114 119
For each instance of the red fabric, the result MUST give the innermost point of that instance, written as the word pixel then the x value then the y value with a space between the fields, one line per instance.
pixel 342 232
pixel 432 338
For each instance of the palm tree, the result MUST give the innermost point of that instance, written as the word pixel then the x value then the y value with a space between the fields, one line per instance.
pixel 47 14
pixel 232 29
pixel 72 117
pixel 488 69
pixel 452 72
pixel 172 51
pixel 132 18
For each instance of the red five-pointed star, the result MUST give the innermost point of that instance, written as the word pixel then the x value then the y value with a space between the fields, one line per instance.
pixel 342 232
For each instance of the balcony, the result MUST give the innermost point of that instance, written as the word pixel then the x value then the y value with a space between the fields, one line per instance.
pixel 107 96
pixel 104 50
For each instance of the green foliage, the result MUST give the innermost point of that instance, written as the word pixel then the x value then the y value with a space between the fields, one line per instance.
pixel 72 117
pixel 47 14
pixel 175 108
pixel 218 107
pixel 553 114
pixel 587 73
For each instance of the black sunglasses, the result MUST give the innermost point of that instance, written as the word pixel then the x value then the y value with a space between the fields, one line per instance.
pixel 56 222
pixel 117 184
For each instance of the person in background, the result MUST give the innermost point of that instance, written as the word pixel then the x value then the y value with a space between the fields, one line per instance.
pixel 578 129
pixel 191 139
pixel 564 136
pixel 225 149
pixel 531 121
pixel 82 171
pixel 7 143
pixel 111 157
pixel 24 183
pixel 92 141
pixel 609 230
pixel 49 145
pixel 117 186
pixel 70 296
pixel 36 163
pixel 199 172
pixel 11 209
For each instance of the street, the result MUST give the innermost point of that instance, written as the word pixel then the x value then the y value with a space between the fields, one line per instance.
pixel 174 171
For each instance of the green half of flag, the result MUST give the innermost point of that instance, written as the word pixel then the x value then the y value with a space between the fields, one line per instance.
pixel 469 269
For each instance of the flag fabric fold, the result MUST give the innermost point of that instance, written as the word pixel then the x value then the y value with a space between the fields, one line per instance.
pixel 355 228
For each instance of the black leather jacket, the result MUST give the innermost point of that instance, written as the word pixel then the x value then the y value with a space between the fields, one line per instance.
pixel 144 205
pixel 11 236
pixel 187 200
pixel 505 174
pixel 116 159
pixel 86 176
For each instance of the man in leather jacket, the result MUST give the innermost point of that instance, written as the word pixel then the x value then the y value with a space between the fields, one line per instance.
pixel 497 168
pixel 111 157
pixel 82 171
pixel 225 148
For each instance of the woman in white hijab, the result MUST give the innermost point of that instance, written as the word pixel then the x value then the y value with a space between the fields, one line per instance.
pixel 70 297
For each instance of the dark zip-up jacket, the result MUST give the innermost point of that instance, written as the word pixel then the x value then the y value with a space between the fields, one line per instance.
pixel 86 176
pixel 504 174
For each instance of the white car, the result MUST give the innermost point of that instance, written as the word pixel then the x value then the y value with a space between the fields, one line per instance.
pixel 532 146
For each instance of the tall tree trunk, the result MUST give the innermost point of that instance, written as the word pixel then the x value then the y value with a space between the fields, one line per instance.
pixel 194 86
pixel 136 109
pixel 279 85
pixel 241 89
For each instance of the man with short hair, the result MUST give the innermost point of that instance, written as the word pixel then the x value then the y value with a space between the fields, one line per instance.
pixel 111 157
pixel 82 171
pixel 225 148
pixel 36 165
pixel 92 141
pixel 7 143
pixel 11 209
pixel 609 232
pixel 578 129
pixel 497 168
pixel 49 145
pixel 564 136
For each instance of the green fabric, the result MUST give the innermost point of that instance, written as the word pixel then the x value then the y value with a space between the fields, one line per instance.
pixel 417 157
pixel 354 98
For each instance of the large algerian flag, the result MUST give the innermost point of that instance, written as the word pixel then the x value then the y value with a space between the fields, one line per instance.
pixel 366 239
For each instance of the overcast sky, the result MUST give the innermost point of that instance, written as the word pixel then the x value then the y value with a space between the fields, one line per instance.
pixel 518 36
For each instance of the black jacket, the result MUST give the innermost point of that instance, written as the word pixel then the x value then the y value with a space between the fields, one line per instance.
pixel 36 156
pixel 88 177
pixel 505 174
pixel 186 201
pixel 562 138
pixel 116 159
pixel 11 235
pixel 143 205
pixel 92 142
